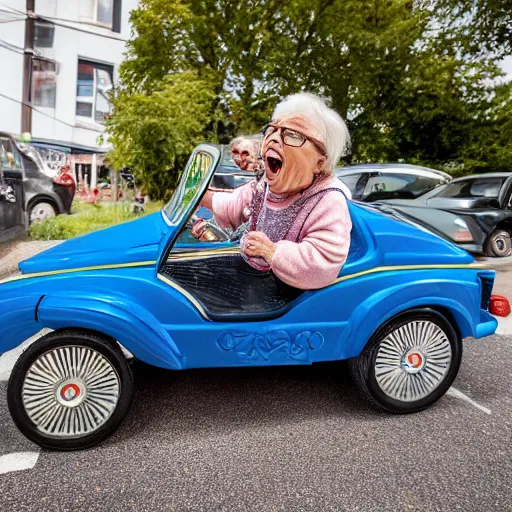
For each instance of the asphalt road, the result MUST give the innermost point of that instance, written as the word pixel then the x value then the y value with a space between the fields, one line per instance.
pixel 293 438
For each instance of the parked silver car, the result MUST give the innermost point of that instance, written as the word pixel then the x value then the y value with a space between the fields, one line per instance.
pixel 377 182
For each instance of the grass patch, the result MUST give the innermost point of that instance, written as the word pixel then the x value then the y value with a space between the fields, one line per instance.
pixel 86 218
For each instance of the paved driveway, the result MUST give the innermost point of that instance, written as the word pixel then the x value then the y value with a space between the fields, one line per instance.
pixel 292 438
pixel 11 254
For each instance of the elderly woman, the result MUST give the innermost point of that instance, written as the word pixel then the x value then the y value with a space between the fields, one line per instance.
pixel 298 216
pixel 244 152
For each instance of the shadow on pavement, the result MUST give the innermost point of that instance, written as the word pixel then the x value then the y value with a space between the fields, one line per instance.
pixel 227 399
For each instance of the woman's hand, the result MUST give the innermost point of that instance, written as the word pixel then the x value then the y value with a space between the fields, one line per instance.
pixel 199 227
pixel 257 244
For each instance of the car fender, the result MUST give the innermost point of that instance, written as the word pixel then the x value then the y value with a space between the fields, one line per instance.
pixel 383 305
pixel 127 322
pixel 17 320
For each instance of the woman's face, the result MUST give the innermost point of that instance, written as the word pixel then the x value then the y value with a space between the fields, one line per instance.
pixel 243 154
pixel 291 169
pixel 235 153
pixel 247 155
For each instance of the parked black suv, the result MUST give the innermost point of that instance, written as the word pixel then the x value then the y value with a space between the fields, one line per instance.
pixel 47 192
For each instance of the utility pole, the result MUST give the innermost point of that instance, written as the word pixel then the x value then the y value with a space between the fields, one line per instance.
pixel 26 110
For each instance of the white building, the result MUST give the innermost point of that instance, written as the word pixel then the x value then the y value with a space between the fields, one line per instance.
pixel 78 46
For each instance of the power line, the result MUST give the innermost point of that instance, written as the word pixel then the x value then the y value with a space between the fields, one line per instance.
pixel 12 21
pixel 11 47
pixel 14 13
pixel 48 115
pixel 70 27
pixel 12 10
pixel 50 19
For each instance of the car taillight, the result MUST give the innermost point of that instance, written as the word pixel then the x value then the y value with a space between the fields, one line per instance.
pixel 499 306
pixel 64 179
pixel 463 235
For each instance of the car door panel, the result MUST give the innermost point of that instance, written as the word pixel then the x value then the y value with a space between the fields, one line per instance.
pixel 12 213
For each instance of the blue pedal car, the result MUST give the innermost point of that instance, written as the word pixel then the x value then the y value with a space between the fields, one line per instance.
pixel 399 310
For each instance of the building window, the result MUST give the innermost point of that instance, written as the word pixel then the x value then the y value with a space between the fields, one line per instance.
pixel 98 11
pixel 94 84
pixel 44 34
pixel 44 82
pixel 104 12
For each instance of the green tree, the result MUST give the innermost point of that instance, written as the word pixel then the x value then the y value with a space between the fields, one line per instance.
pixel 489 144
pixel 417 80
pixel 153 133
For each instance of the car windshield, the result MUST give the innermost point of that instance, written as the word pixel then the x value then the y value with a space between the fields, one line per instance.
pixel 473 189
pixel 190 185
pixel 400 185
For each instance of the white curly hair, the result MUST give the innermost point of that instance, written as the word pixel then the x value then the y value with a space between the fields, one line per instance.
pixel 333 129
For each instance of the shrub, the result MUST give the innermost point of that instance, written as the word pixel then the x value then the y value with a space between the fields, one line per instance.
pixel 86 218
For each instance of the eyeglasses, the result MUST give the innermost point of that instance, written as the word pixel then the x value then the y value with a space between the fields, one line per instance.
pixel 292 138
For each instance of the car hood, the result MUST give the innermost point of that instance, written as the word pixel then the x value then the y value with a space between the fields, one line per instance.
pixel 131 242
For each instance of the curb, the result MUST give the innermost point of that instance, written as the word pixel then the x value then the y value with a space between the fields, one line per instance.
pixel 496 263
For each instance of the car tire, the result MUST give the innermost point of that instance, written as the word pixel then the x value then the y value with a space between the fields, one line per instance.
pixel 410 362
pixel 70 390
pixel 499 244
pixel 41 211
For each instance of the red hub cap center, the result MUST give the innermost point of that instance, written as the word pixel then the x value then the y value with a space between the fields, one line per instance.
pixel 69 392
pixel 415 360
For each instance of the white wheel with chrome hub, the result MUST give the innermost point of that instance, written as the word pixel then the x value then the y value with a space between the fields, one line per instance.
pixel 410 362
pixel 70 390
pixel 41 211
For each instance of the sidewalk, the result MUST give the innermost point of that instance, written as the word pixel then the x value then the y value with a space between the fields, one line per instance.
pixel 496 263
pixel 14 252
pixel 503 282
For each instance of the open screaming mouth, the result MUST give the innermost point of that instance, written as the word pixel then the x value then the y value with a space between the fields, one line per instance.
pixel 274 161
pixel 274 165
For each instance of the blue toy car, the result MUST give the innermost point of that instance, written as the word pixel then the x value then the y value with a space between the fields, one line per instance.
pixel 399 310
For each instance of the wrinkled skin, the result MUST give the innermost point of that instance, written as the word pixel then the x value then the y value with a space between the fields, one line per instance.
pixel 247 155
pixel 288 170
pixel 244 155
pixel 298 166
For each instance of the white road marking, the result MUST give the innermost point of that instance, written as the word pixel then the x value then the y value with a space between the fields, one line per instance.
pixel 504 325
pixel 8 360
pixel 19 461
pixel 459 394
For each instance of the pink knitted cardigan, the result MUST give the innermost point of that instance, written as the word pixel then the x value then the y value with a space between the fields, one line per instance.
pixel 316 260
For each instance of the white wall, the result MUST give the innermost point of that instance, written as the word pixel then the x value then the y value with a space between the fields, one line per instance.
pixel 69 45
pixel 11 67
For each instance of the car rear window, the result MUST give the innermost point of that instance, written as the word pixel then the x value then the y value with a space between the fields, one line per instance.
pixel 406 185
pixel 475 188
pixel 350 180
